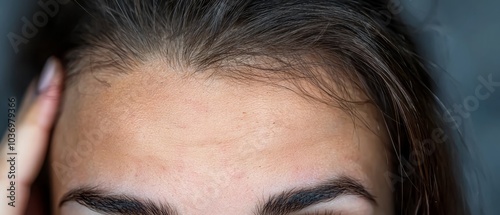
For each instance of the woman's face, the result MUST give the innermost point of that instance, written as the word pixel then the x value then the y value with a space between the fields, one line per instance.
pixel 213 146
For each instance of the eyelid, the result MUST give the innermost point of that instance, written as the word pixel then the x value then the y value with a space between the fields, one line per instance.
pixel 323 213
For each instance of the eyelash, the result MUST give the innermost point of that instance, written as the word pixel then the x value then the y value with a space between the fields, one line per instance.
pixel 323 213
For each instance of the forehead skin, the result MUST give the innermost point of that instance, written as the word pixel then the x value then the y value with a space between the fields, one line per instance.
pixel 209 146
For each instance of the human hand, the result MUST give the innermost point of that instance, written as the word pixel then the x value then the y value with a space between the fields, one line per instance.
pixel 24 146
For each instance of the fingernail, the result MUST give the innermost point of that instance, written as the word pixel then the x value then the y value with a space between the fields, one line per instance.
pixel 47 74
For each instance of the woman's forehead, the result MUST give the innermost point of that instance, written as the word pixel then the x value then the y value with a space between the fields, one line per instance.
pixel 166 101
pixel 261 133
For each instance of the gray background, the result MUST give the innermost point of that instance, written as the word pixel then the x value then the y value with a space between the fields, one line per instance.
pixel 460 36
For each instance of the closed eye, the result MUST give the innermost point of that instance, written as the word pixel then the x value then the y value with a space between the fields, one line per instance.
pixel 323 213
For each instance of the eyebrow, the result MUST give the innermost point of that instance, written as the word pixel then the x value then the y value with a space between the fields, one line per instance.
pixel 299 199
pixel 102 201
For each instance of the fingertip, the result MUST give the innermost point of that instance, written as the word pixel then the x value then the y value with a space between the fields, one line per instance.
pixel 49 91
pixel 51 78
pixel 42 111
pixel 48 72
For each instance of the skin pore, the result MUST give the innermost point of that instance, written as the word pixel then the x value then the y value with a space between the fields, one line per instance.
pixel 198 145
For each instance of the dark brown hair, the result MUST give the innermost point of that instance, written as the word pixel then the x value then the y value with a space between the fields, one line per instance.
pixel 347 39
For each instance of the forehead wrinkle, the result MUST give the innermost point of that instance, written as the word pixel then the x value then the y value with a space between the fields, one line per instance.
pixel 267 119
pixel 263 116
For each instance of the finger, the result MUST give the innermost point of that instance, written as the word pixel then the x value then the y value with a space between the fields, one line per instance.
pixel 35 128
pixel 31 135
